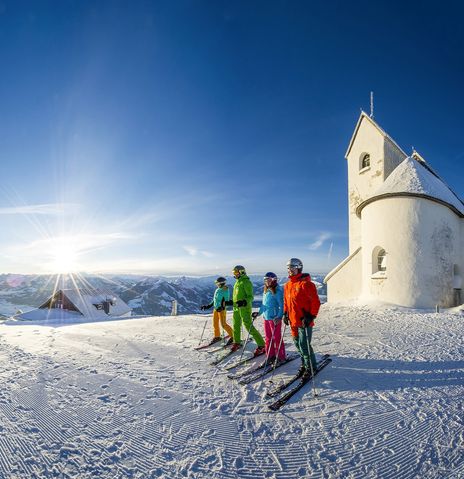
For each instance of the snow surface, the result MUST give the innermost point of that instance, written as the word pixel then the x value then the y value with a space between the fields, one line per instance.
pixel 411 176
pixel 132 399
pixel 9 309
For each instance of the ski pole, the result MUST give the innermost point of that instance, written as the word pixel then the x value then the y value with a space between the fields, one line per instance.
pixel 247 338
pixel 280 345
pixel 310 362
pixel 203 332
pixel 267 354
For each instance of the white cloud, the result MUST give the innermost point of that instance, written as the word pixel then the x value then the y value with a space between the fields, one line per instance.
pixel 83 242
pixel 193 251
pixel 329 254
pixel 53 209
pixel 319 241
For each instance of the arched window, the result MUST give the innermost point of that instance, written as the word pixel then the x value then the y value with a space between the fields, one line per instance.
pixel 379 262
pixel 365 161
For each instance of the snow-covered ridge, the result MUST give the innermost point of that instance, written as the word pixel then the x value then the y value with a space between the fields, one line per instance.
pixel 146 295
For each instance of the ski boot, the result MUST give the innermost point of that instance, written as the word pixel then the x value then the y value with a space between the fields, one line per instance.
pixel 308 373
pixel 267 362
pixel 278 361
pixel 302 370
pixel 258 351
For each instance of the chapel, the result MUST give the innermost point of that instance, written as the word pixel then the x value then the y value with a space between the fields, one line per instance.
pixel 406 228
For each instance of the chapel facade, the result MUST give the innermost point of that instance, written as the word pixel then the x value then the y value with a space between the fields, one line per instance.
pixel 406 228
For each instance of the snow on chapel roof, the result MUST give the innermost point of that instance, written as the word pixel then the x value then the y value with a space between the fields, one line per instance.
pixel 413 177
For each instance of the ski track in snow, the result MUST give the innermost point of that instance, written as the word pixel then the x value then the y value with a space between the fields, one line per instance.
pixel 132 399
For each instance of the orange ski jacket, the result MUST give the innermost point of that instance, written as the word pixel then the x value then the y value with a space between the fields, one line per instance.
pixel 300 298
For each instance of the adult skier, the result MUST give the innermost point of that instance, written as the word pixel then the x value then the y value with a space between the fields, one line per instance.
pixel 242 302
pixel 220 298
pixel 301 305
pixel 272 309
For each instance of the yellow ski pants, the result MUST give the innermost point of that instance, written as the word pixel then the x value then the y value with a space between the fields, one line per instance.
pixel 220 316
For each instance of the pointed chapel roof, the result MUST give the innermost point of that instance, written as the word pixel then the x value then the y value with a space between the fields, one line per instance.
pixel 364 116
pixel 414 177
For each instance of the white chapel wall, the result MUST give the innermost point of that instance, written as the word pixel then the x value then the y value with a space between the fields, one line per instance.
pixel 344 282
pixel 423 242
pixel 460 280
pixel 363 183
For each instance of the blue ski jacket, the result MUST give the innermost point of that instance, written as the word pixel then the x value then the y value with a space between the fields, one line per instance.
pixel 221 295
pixel 273 304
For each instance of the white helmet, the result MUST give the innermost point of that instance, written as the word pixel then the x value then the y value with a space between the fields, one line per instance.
pixel 293 263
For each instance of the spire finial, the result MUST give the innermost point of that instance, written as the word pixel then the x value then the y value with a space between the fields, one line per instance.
pixel 372 105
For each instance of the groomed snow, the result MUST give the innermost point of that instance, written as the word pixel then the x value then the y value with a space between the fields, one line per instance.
pixel 132 399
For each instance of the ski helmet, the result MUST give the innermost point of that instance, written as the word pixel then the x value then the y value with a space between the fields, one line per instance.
pixel 238 270
pixel 221 281
pixel 295 263
pixel 270 279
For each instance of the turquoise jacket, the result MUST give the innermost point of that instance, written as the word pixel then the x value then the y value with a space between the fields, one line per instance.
pixel 273 304
pixel 221 295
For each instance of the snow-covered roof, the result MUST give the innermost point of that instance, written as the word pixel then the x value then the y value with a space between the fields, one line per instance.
pixel 86 301
pixel 413 177
pixel 365 116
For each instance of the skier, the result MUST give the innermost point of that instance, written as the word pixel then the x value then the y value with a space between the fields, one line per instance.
pixel 242 302
pixel 220 298
pixel 301 305
pixel 272 310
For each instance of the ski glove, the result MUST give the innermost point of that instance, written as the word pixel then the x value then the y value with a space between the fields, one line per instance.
pixel 241 303
pixel 255 315
pixel 229 303
pixel 221 308
pixel 307 319
pixel 285 319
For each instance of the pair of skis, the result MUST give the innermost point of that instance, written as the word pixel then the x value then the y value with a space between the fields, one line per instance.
pixel 300 383
pixel 260 370
pixel 214 341
pixel 226 354
pixel 238 363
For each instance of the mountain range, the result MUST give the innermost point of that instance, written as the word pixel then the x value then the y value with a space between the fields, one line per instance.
pixel 146 295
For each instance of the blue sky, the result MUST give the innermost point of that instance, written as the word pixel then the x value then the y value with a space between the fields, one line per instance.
pixel 189 136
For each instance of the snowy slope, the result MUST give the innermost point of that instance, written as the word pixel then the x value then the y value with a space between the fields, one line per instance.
pixel 132 399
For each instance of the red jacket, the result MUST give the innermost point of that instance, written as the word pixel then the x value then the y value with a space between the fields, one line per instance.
pixel 300 297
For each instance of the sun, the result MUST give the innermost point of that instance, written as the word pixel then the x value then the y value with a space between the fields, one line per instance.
pixel 64 256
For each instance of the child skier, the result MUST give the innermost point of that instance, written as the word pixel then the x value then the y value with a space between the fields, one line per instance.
pixel 220 298
pixel 272 309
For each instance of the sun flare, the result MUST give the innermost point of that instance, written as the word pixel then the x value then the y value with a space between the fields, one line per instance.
pixel 64 257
